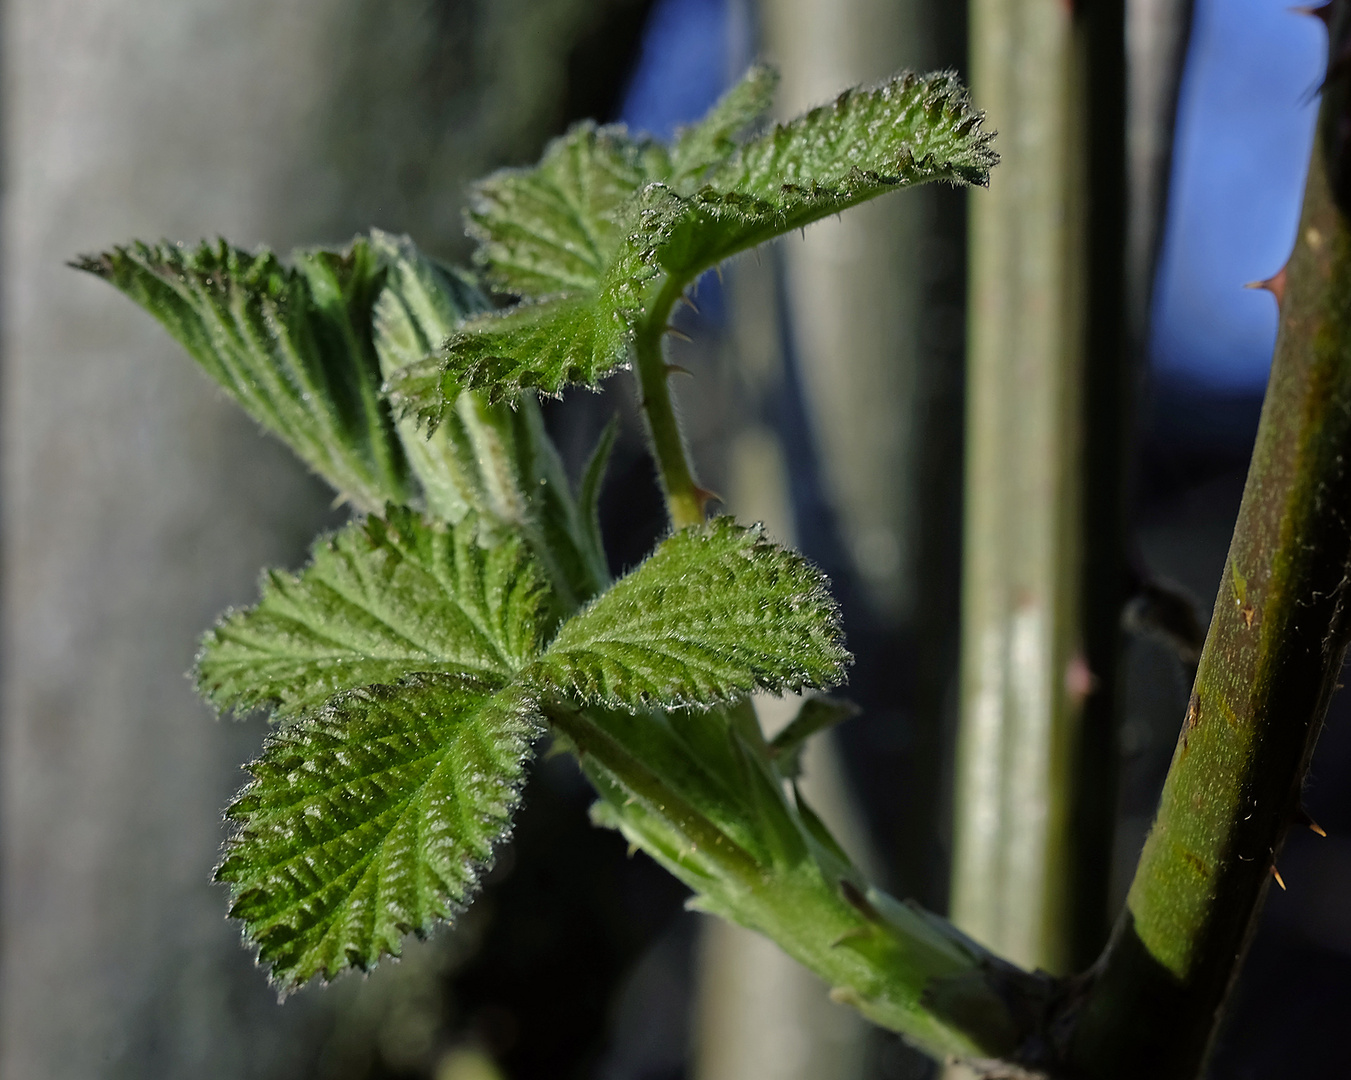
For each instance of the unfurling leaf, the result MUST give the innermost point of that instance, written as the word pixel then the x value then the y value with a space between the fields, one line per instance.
pixel 420 306
pixel 715 612
pixel 292 346
pixel 374 819
pixel 381 600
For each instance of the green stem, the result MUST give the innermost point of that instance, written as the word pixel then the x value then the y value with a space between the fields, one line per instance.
pixel 1267 673
pixel 1023 679
pixel 901 967
pixel 684 498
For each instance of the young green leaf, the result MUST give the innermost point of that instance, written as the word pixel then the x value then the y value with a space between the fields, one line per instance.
pixel 381 600
pixel 910 130
pixel 419 307
pixel 373 819
pixel 292 346
pixel 712 140
pixel 603 218
pixel 553 229
pixel 543 345
pixel 715 612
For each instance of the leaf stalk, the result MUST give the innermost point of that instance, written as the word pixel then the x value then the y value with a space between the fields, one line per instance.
pixel 684 498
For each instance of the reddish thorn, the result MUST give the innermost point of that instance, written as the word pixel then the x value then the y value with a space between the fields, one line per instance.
pixel 676 369
pixel 1323 13
pixel 678 333
pixel 1079 678
pixel 1279 880
pixel 705 497
pixel 1274 285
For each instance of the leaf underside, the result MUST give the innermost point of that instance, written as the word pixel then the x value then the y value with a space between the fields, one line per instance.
pixel 291 345
pixel 373 819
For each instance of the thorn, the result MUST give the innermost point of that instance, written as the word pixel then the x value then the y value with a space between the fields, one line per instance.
pixel 1279 880
pixel 678 334
pixel 1322 13
pixel 690 303
pixel 1302 818
pixel 1274 285
pixel 705 497
pixel 633 850
pixel 676 369
pixel 855 898
pixel 717 269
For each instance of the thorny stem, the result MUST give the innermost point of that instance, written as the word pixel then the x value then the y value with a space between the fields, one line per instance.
pixel 684 498
pixel 1266 675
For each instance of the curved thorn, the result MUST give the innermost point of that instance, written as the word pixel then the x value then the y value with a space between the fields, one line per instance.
pixel 678 333
pixel 677 369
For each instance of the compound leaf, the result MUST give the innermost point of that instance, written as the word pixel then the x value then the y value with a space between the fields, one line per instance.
pixel 292 346
pixel 715 612
pixel 586 234
pixel 372 819
pixel 380 600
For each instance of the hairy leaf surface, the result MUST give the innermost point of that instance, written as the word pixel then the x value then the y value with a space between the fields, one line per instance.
pixel 715 612
pixel 292 346
pixel 910 130
pixel 381 599
pixel 419 307
pixel 553 229
pixel 713 139
pixel 544 345
pixel 590 232
pixel 373 819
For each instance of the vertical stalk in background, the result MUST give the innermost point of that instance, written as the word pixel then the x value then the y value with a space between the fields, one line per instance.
pixel 1037 646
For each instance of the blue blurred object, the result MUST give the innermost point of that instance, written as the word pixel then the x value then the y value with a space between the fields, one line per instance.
pixel 1244 130
pixel 692 49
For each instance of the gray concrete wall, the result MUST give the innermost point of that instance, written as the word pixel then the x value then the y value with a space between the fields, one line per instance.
pixel 137 503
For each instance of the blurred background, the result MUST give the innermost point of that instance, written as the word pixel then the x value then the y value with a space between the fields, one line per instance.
pixel 827 400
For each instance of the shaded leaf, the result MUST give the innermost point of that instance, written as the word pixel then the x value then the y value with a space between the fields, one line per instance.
pixel 373 819
pixel 380 600
pixel 715 612
pixel 816 715
pixel 292 346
